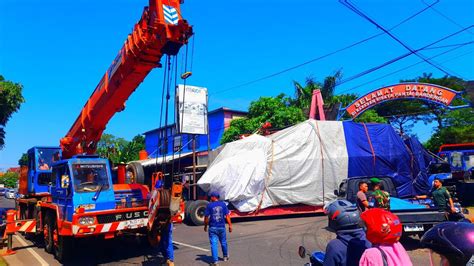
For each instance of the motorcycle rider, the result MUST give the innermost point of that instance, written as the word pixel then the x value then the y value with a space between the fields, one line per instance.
pixel 383 230
pixel 350 242
pixel 454 242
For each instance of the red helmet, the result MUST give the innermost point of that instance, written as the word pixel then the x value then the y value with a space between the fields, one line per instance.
pixel 382 227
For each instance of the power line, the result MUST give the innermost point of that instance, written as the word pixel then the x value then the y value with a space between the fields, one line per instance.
pixel 323 56
pixel 457 46
pixel 449 45
pixel 363 73
pixel 444 16
pixel 359 12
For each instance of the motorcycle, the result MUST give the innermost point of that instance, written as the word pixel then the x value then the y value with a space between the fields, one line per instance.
pixel 315 259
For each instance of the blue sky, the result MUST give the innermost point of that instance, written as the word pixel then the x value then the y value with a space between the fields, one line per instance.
pixel 59 50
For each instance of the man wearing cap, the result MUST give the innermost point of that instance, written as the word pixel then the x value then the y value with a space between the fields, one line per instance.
pixel 216 215
pixel 382 198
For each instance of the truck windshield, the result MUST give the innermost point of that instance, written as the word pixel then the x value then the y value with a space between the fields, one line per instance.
pixel 469 160
pixel 90 177
pixel 45 158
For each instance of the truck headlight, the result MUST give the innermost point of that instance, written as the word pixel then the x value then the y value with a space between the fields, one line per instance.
pixel 86 220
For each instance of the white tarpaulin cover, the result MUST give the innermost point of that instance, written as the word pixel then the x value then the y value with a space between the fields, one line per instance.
pixel 300 164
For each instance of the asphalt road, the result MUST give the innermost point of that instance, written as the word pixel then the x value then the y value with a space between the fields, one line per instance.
pixel 258 242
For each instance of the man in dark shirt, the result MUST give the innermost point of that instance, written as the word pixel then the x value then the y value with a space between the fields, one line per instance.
pixel 362 203
pixel 441 197
pixel 216 214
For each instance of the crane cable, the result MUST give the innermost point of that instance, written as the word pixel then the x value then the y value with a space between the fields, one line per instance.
pixel 181 119
pixel 159 144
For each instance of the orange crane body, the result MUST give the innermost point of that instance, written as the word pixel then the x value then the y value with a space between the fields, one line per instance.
pixel 160 31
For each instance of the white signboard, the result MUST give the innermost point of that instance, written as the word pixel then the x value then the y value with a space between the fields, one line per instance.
pixel 191 103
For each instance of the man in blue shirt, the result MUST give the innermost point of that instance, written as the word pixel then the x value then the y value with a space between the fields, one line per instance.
pixel 216 214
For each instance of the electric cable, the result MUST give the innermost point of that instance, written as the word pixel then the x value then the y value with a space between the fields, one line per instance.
pixel 353 8
pixel 389 62
pixel 443 15
pixel 320 57
pixel 457 46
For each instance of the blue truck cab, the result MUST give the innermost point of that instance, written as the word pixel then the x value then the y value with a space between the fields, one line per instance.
pixel 36 180
pixel 82 182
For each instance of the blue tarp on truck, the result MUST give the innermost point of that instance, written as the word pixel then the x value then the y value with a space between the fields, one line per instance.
pixel 377 150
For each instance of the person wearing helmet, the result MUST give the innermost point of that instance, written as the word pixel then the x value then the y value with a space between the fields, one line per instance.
pixel 454 242
pixel 383 230
pixel 350 242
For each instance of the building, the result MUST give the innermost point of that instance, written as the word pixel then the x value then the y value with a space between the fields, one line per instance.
pixel 219 121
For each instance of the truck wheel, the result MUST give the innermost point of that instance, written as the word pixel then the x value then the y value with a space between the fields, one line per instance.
pixel 187 213
pixel 62 250
pixel 196 212
pixel 187 205
pixel 48 234
pixel 136 171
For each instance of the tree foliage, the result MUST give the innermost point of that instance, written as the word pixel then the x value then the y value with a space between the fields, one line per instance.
pixel 276 110
pixel 119 150
pixel 370 116
pixel 458 127
pixel 9 179
pixel 402 114
pixel 432 112
pixel 283 111
pixel 23 161
pixel 11 99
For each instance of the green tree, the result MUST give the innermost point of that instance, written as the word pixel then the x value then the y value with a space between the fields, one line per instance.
pixel 303 97
pixel 432 111
pixel 23 161
pixel 276 110
pixel 118 149
pixel 370 116
pixel 9 179
pixel 111 147
pixel 133 148
pixel 458 127
pixel 402 114
pixel 11 99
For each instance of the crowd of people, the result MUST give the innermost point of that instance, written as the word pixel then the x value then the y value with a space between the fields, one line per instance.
pixel 366 234
pixel 369 235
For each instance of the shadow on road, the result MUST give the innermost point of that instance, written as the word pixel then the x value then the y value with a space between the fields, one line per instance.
pixel 204 258
pixel 410 243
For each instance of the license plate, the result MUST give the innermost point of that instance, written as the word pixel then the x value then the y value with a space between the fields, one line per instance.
pixel 413 228
pixel 134 223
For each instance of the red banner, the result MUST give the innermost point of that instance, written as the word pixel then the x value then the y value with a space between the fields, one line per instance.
pixel 420 91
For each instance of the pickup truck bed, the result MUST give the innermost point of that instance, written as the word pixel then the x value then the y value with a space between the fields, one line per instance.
pixel 416 217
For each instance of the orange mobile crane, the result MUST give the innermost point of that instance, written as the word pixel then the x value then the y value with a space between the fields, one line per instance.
pixel 68 190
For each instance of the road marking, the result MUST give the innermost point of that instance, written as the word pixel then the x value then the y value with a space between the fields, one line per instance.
pixel 36 255
pixel 191 246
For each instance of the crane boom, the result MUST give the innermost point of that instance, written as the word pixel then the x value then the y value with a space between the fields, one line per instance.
pixel 160 31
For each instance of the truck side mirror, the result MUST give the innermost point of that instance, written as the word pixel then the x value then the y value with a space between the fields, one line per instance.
pixel 336 192
pixel 64 181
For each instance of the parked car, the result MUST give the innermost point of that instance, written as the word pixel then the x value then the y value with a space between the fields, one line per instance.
pixel 10 194
pixel 2 191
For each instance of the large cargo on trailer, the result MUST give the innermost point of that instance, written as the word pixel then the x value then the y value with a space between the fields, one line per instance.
pixel 306 163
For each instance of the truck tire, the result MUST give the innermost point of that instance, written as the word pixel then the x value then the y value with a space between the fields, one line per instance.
pixel 187 205
pixel 63 250
pixel 48 233
pixel 137 172
pixel 196 212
